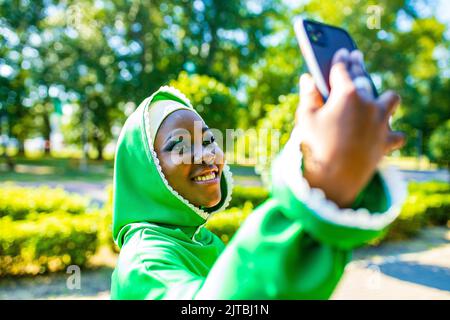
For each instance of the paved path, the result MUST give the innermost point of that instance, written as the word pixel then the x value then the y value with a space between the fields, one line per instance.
pixel 416 269
pixel 426 175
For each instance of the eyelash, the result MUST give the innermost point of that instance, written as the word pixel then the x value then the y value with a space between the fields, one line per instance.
pixel 182 148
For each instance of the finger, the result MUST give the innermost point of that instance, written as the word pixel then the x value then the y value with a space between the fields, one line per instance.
pixel 364 87
pixel 339 77
pixel 310 98
pixel 341 56
pixel 395 141
pixel 388 102
pixel 356 64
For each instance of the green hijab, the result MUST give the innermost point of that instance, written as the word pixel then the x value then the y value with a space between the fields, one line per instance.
pixel 141 192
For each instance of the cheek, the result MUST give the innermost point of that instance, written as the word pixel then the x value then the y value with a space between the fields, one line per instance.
pixel 220 158
pixel 173 171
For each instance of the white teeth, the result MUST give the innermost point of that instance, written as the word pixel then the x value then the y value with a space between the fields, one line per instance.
pixel 205 177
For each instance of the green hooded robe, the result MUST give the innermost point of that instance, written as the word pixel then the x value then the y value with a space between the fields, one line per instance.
pixel 293 246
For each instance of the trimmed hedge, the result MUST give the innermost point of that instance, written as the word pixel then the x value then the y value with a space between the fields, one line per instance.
pixel 47 243
pixel 430 187
pixel 45 229
pixel 427 206
pixel 17 202
pixel 255 195
pixel 224 224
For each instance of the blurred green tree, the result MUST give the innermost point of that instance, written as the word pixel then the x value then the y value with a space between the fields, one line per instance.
pixel 212 99
pixel 440 145
pixel 19 25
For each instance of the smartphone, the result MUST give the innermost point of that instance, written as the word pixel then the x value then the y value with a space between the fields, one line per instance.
pixel 318 43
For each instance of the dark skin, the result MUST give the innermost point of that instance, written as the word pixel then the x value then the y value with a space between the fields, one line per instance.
pixel 191 161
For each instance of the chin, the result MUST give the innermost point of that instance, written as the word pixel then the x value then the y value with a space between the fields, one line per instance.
pixel 210 202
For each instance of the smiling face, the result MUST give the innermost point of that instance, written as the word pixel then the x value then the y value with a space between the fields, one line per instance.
pixel 190 159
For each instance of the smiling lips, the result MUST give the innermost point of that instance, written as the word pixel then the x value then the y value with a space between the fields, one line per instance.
pixel 209 176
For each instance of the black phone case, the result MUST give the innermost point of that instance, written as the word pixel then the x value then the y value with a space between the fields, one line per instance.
pixel 324 48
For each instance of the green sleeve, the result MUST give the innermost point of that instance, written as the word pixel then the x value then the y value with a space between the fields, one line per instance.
pixel 272 257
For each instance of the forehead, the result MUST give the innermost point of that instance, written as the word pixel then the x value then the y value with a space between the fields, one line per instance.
pixel 180 119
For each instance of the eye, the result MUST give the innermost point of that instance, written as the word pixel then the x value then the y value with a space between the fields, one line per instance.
pixel 209 141
pixel 180 148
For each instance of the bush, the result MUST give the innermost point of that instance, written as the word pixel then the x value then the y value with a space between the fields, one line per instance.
pixel 420 209
pixel 44 229
pixel 224 224
pixel 213 100
pixel 255 195
pixel 46 243
pixel 18 202
pixel 106 223
pixel 440 144
pixel 430 187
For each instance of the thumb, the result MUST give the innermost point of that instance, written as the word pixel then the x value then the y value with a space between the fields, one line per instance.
pixel 310 98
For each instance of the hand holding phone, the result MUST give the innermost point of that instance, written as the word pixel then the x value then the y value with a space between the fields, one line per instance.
pixel 343 139
pixel 319 43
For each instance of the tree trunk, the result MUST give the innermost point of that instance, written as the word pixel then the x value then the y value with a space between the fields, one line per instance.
pixel 21 146
pixel 98 145
pixel 99 152
pixel 47 133
pixel 8 160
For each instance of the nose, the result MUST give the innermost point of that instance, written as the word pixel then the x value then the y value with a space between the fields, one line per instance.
pixel 207 155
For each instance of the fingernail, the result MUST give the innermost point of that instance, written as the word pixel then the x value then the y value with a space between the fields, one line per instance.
pixel 341 56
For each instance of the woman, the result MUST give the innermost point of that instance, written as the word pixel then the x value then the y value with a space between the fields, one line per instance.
pixel 293 246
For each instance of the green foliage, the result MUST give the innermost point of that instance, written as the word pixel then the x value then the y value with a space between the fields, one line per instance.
pixel 104 57
pixel 20 202
pixel 106 214
pixel 212 99
pixel 225 224
pixel 47 243
pixel 440 144
pixel 428 204
pixel 255 195
pixel 45 230
pixel 420 210
pixel 276 127
pixel 429 188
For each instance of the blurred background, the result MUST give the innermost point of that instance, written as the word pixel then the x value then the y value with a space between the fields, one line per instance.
pixel 72 71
